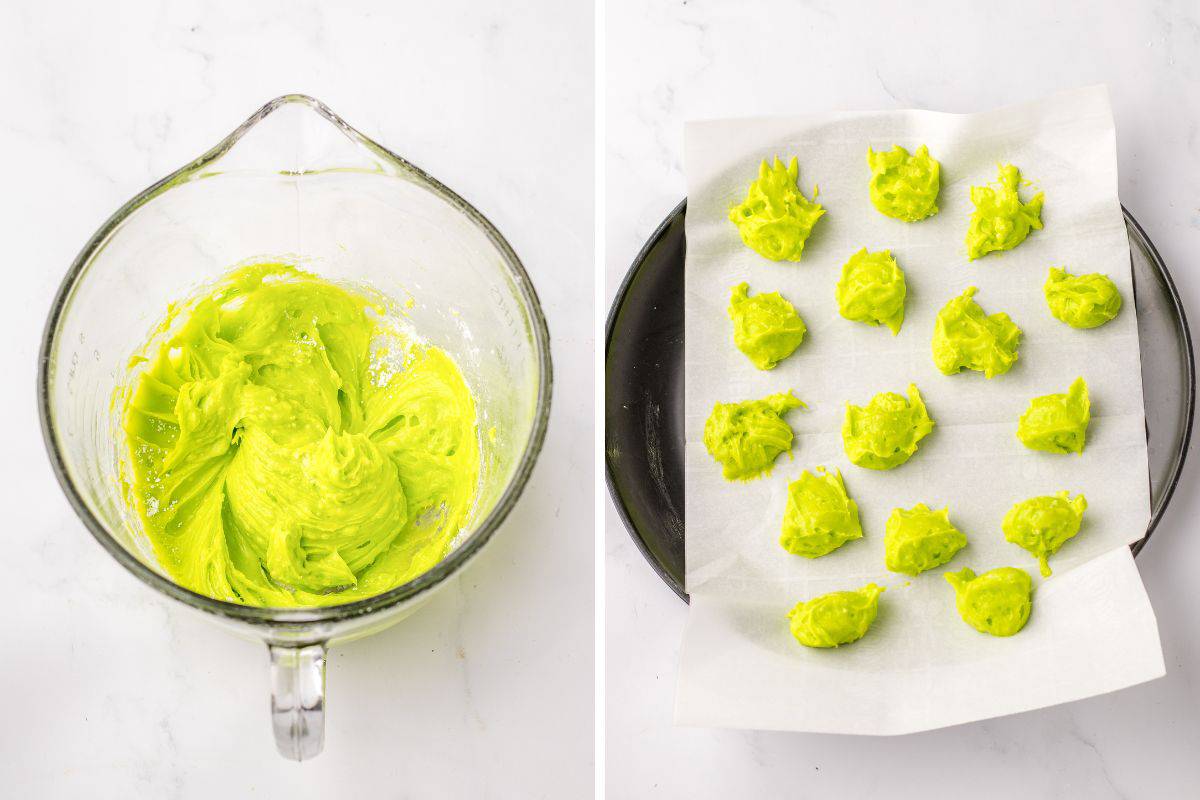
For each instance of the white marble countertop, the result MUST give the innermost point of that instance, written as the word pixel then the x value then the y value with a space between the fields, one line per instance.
pixel 110 689
pixel 686 59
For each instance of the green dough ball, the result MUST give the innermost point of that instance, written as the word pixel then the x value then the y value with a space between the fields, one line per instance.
pixel 997 602
pixel 904 186
pixel 1057 423
pixel 765 327
pixel 1042 525
pixel 1000 220
pixel 1081 301
pixel 965 338
pixel 872 290
pixel 775 219
pixel 836 618
pixel 885 432
pixel 820 516
pixel 745 438
pixel 919 539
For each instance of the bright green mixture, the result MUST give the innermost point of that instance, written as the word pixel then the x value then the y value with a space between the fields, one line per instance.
pixel 1042 525
pixel 291 448
pixel 836 618
pixel 1000 220
pixel 884 433
pixel 966 338
pixel 765 327
pixel 997 602
pixel 820 517
pixel 745 438
pixel 904 186
pixel 872 290
pixel 918 539
pixel 1057 423
pixel 776 219
pixel 1081 301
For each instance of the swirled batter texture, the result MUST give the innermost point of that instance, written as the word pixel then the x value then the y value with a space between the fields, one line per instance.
pixel 918 539
pixel 1000 220
pixel 997 602
pixel 820 517
pixel 745 438
pixel 966 338
pixel 885 432
pixel 1057 423
pixel 776 219
pixel 1042 525
pixel 765 327
pixel 289 446
pixel 872 290
pixel 837 618
pixel 905 186
pixel 1081 301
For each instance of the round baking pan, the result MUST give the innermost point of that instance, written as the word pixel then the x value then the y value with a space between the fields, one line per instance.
pixel 644 386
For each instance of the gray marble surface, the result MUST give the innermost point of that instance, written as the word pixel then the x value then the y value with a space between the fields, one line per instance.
pixel 113 691
pixel 686 59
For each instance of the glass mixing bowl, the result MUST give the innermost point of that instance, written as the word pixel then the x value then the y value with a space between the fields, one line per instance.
pixel 294 182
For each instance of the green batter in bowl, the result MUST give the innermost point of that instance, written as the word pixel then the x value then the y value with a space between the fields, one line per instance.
pixel 295 386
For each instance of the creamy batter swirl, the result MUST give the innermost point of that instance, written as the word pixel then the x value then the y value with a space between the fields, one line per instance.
pixel 290 446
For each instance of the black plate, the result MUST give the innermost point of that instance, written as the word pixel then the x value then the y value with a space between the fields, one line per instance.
pixel 643 392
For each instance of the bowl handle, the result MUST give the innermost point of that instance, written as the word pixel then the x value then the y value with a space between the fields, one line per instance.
pixel 298 700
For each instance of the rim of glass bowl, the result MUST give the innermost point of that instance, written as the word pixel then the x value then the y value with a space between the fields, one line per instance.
pixel 308 614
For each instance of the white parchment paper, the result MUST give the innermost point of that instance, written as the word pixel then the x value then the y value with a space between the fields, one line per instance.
pixel 1092 628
